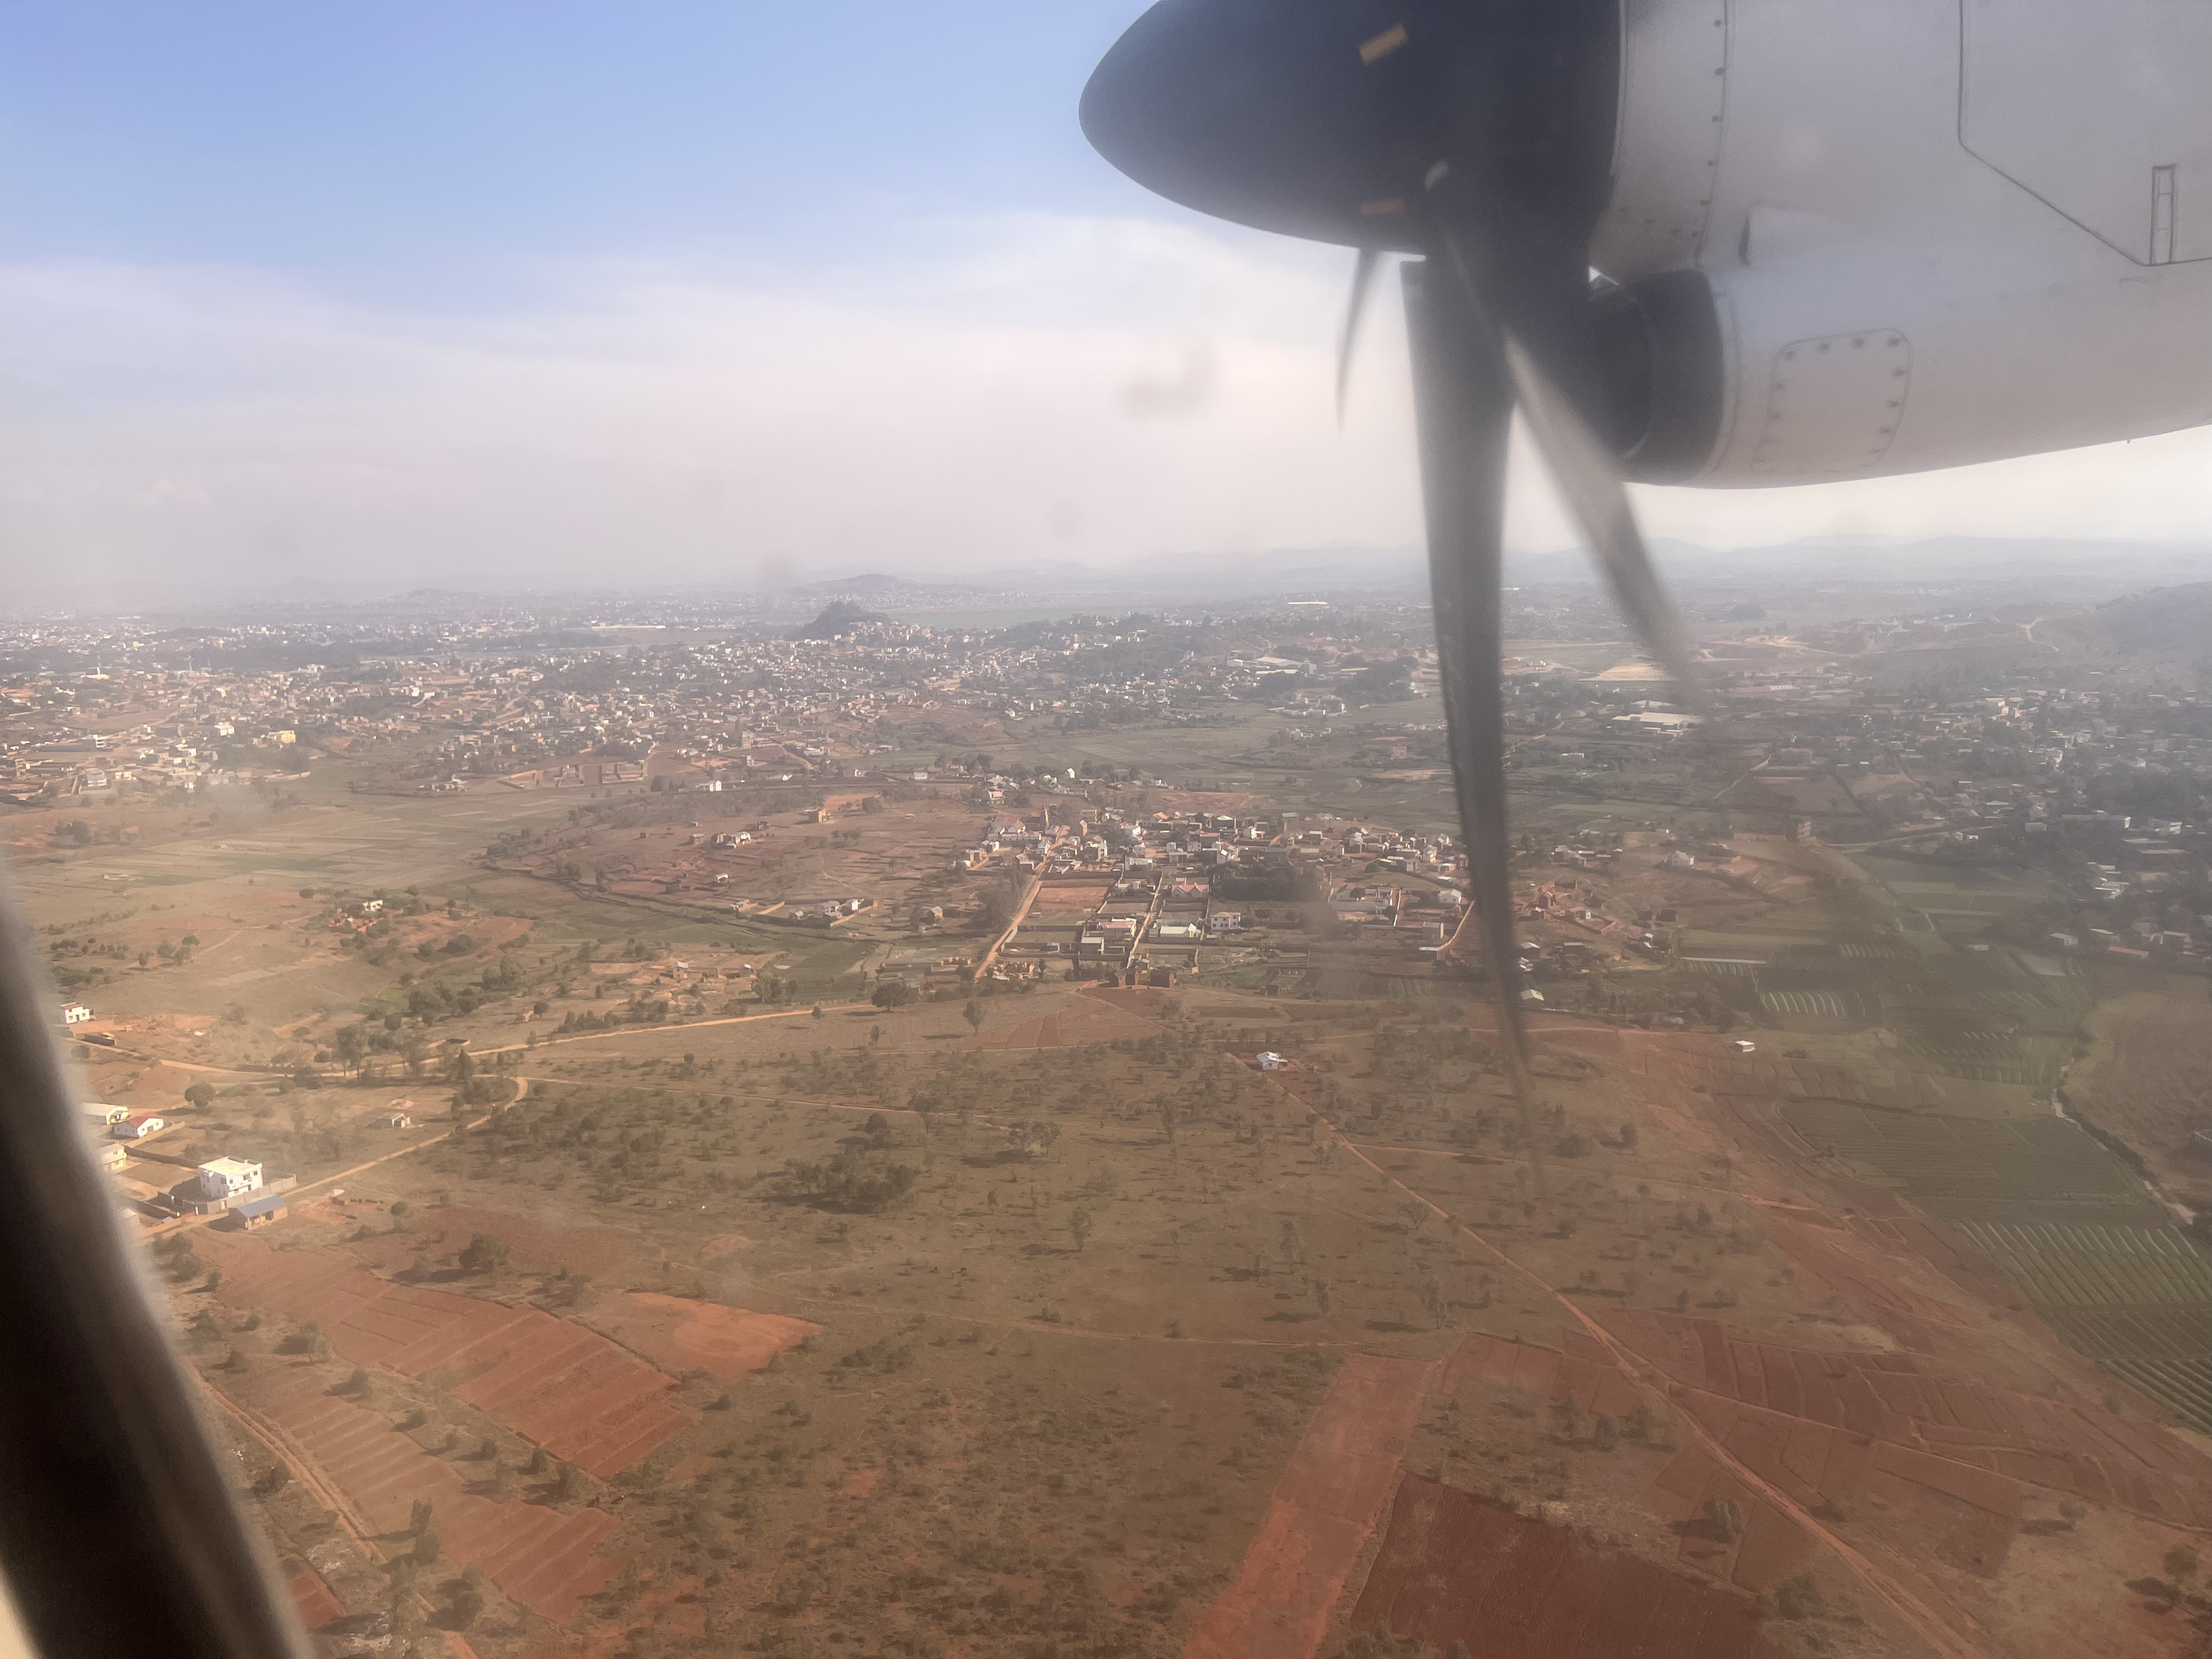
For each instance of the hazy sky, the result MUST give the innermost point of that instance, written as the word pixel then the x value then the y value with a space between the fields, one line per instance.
pixel 567 292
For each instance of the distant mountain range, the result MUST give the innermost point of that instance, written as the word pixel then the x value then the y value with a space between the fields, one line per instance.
pixel 2026 570
pixel 2053 573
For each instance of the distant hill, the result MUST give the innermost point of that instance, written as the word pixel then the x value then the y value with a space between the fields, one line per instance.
pixel 838 617
pixel 2165 622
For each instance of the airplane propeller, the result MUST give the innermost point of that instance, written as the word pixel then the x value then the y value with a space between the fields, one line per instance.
pixel 1478 134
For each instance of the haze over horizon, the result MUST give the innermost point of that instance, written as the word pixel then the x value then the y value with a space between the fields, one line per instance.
pixel 546 296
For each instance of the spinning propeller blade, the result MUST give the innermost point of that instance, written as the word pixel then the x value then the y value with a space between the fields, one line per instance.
pixel 1479 134
pixel 1362 280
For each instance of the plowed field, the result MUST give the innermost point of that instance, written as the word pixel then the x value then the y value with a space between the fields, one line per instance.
pixel 536 1554
pixel 570 1391
pixel 1824 1427
pixel 1454 1568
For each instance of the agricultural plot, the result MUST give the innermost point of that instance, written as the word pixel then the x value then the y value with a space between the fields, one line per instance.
pixel 1455 1569
pixel 2065 1220
pixel 568 1389
pixel 2137 1300
pixel 1851 1004
pixel 2183 1331
pixel 544 1558
pixel 2183 1385
pixel 1965 1169
pixel 2064 1265
pixel 1834 1428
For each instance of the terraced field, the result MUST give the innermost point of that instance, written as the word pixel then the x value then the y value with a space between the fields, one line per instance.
pixel 2064 1265
pixel 1818 1005
pixel 2137 1300
pixel 568 1389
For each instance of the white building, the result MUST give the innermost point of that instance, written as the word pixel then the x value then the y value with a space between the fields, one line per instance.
pixel 75 1013
pixel 1269 1060
pixel 226 1177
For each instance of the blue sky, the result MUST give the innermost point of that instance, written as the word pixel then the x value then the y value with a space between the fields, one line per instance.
pixel 560 294
pixel 407 145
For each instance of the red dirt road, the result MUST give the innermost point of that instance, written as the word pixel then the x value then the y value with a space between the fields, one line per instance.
pixel 1324 1509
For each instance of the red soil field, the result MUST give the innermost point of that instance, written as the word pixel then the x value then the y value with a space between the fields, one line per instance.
pixel 1771 1546
pixel 1087 1019
pixel 1323 1511
pixel 316 1603
pixel 536 1554
pixel 570 1391
pixel 1583 1373
pixel 1838 1427
pixel 1867 1269
pixel 532 1246
pixel 684 1334
pixel 1081 898
pixel 1452 1568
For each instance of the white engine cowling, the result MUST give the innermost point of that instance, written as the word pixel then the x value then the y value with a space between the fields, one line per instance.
pixel 2003 247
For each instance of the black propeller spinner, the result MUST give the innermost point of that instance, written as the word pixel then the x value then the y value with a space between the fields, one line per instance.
pixel 1479 135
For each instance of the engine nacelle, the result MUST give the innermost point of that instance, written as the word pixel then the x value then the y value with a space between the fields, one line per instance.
pixel 1903 235
pixel 1659 343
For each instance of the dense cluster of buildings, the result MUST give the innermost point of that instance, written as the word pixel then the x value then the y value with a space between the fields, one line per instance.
pixel 2086 772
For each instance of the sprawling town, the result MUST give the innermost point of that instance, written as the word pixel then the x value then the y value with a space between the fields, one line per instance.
pixel 822 1122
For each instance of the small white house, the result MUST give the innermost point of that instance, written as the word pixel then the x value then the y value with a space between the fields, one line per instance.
pixel 75 1013
pixel 1269 1060
pixel 399 1115
pixel 105 1117
pixel 138 1127
pixel 226 1177
pixel 1744 1045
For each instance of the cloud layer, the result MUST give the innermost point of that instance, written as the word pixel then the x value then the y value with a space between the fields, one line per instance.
pixel 984 393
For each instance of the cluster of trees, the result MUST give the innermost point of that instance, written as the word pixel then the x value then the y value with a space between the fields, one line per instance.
pixel 637 1011
pixel 862 1180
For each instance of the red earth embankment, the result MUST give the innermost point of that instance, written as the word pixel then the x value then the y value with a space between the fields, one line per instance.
pixel 1323 1511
